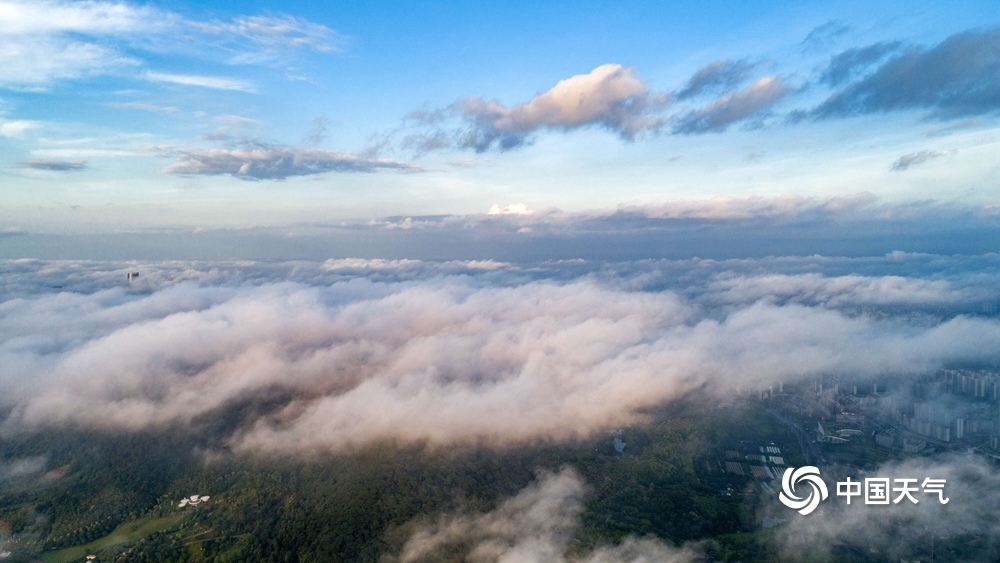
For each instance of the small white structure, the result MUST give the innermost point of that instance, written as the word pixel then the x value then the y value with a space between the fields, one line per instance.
pixel 193 500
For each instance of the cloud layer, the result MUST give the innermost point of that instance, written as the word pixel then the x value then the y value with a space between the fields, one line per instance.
pixel 718 228
pixel 354 353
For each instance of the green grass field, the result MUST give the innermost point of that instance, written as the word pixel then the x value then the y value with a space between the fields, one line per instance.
pixel 127 532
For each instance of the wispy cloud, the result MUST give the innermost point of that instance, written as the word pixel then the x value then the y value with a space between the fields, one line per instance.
pixel 537 524
pixel 46 41
pixel 823 35
pixel 732 108
pixel 35 63
pixel 215 82
pixel 320 126
pixel 727 207
pixel 264 162
pixel 56 165
pixel 69 153
pixel 142 106
pixel 907 161
pixel 19 467
pixel 716 77
pixel 259 39
pixel 20 17
pixel 17 128
pixel 220 136
pixel 49 40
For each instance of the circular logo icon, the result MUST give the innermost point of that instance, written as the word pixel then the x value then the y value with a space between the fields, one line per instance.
pixel 810 475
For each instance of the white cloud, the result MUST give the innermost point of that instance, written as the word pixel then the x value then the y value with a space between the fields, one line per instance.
pixel 215 82
pixel 46 41
pixel 143 106
pixel 42 17
pixel 36 62
pixel 597 97
pixel 512 209
pixel 609 96
pixel 535 526
pixel 17 128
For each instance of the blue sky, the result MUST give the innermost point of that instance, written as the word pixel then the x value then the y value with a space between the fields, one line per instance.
pixel 130 117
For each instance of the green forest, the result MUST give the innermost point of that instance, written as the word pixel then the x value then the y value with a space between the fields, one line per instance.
pixel 116 495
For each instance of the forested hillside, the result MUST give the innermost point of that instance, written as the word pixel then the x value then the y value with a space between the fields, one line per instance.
pixel 122 492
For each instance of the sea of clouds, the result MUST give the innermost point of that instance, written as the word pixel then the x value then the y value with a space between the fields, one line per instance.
pixel 464 352
pixel 355 352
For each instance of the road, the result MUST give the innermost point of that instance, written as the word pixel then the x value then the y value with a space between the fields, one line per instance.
pixel 810 449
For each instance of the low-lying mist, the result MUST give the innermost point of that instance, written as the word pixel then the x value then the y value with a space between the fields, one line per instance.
pixel 345 354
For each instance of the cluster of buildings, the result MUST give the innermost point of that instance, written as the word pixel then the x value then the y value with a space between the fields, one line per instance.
pixel 950 407
pixel 764 464
pixel 893 440
pixel 193 500
pixel 838 437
